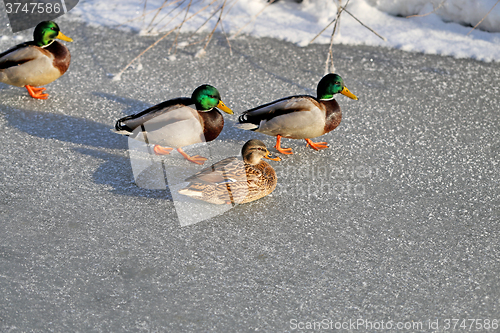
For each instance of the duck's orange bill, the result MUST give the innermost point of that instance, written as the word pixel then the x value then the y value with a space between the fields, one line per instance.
pixel 349 94
pixel 272 158
pixel 223 107
pixel 63 37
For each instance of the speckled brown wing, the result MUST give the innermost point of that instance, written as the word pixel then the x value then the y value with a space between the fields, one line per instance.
pixel 231 181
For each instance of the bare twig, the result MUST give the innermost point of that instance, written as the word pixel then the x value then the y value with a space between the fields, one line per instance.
pixel 496 3
pixel 165 2
pixel 329 59
pixel 168 14
pixel 117 76
pixel 216 24
pixel 144 8
pixel 433 11
pixel 253 19
pixel 206 21
pixel 329 24
pixel 182 23
pixel 136 18
pixel 343 8
pixel 227 11
pixel 364 25
pixel 227 39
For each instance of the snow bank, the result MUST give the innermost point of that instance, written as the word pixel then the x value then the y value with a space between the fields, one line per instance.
pixel 444 31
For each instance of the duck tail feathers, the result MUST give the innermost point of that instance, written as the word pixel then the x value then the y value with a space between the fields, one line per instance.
pixel 122 132
pixel 190 193
pixel 247 126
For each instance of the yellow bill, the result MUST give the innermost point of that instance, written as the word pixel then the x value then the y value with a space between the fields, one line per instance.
pixel 63 37
pixel 224 108
pixel 349 94
pixel 272 158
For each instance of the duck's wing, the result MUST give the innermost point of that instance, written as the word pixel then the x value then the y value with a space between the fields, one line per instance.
pixel 127 124
pixel 229 170
pixel 278 108
pixel 19 55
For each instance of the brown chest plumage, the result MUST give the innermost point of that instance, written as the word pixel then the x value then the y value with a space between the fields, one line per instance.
pixel 61 54
pixel 333 115
pixel 212 123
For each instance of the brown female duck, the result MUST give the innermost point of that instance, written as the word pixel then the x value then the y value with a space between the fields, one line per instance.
pixel 233 180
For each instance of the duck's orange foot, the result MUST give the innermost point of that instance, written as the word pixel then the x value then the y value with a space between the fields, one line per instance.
pixel 159 150
pixel 195 159
pixel 316 145
pixel 286 151
pixel 36 92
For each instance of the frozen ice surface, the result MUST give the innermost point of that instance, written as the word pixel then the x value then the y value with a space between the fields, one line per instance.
pixel 398 220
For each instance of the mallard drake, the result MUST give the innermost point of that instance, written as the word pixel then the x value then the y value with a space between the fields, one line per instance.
pixel 233 180
pixel 179 122
pixel 36 63
pixel 301 116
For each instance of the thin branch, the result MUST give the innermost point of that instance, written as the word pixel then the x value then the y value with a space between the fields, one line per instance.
pixel 329 24
pixel 227 39
pixel 434 10
pixel 253 19
pixel 144 9
pixel 166 15
pixel 165 2
pixel 364 25
pixel 163 26
pixel 206 21
pixel 157 12
pixel 496 3
pixel 216 24
pixel 182 23
pixel 117 76
pixel 135 18
pixel 354 17
pixel 229 10
pixel 329 59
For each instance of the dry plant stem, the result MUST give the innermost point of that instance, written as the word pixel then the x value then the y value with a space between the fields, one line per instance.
pixel 182 23
pixel 253 19
pixel 206 21
pixel 227 39
pixel 435 9
pixel 329 59
pixel 364 25
pixel 159 40
pixel 166 15
pixel 144 8
pixel 146 13
pixel 496 3
pixel 190 17
pixel 329 24
pixel 227 12
pixel 216 24
pixel 136 18
pixel 172 18
pixel 157 12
